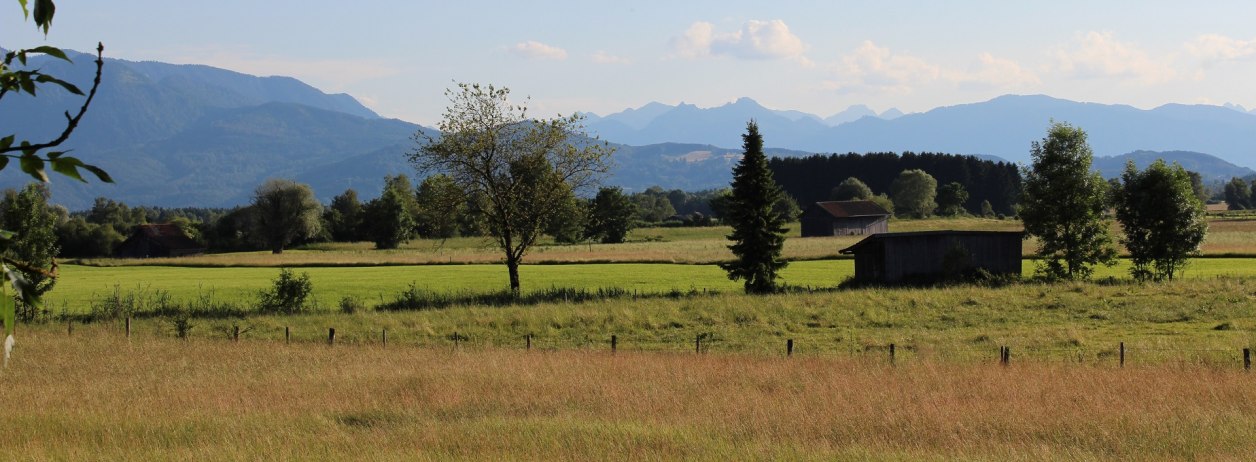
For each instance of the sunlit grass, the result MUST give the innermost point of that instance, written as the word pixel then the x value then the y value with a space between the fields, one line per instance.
pixel 98 396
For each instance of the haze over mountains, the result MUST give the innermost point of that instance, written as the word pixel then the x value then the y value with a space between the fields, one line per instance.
pixel 190 135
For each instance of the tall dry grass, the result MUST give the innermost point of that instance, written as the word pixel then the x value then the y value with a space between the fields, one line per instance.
pixel 96 396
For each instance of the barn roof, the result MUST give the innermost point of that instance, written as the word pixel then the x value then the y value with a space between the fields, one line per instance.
pixel 167 235
pixel 876 238
pixel 849 209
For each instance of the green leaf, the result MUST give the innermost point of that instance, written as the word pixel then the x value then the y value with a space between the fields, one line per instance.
pixel 26 12
pixel 61 83
pixel 67 166
pixel 100 174
pixel 50 51
pixel 8 311
pixel 4 161
pixel 44 10
pixel 6 142
pixel 34 166
pixel 25 290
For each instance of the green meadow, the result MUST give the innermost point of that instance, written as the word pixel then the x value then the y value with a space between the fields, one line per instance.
pixel 80 285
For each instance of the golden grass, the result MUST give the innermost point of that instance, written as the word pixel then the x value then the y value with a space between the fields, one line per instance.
pixel 96 396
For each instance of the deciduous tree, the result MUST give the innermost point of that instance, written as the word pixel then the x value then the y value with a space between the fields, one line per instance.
pixel 610 216
pixel 519 167
pixel 1163 219
pixel 389 220
pixel 951 199
pixel 27 214
pixel 913 193
pixel 1064 206
pixel 758 230
pixel 850 189
pixel 1238 194
pixel 285 211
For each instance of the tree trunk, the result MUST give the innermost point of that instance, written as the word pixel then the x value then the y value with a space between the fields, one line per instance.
pixel 512 265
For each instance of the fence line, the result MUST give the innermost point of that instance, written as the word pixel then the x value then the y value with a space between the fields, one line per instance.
pixel 702 343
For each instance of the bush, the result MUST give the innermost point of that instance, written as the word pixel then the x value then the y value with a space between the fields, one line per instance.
pixel 289 294
pixel 351 304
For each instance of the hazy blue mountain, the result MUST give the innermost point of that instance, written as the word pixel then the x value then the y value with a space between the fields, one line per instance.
pixel 1005 127
pixel 850 114
pixel 145 101
pixel 1211 168
pixel 217 160
pixel 890 114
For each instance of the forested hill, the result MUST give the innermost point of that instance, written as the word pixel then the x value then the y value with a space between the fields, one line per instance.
pixel 811 178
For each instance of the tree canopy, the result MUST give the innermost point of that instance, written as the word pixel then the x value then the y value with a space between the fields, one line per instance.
pixel 1162 217
pixel 519 169
pixel 285 211
pixel 1064 205
pixel 913 193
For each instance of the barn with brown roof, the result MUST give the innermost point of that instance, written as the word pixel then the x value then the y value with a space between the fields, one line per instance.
pixel 844 218
pixel 153 241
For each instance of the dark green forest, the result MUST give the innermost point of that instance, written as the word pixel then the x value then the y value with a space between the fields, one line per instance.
pixel 810 179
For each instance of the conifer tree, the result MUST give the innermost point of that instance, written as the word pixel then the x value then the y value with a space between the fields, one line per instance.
pixel 758 231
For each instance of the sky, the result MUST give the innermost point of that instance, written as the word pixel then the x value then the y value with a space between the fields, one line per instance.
pixel 399 57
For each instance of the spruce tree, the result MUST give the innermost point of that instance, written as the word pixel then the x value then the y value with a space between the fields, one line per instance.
pixel 758 231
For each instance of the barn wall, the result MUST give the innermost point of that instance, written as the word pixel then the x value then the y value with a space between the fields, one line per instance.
pixel 924 255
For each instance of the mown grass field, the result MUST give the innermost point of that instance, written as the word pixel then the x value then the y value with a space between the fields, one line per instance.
pixel 98 396
pixel 80 285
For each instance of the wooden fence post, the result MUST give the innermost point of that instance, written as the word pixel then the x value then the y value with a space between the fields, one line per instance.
pixel 891 353
pixel 614 343
pixel 1005 355
pixel 235 333
pixel 789 347
pixel 697 344
pixel 1247 359
pixel 456 338
pixel 528 338
pixel 69 328
pixel 331 335
pixel 128 327
pixel 383 335
pixel 287 335
pixel 1122 354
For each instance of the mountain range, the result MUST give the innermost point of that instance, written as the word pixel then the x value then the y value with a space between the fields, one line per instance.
pixel 192 135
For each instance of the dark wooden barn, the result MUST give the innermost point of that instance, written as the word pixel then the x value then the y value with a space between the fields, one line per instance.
pixel 933 255
pixel 844 218
pixel 152 241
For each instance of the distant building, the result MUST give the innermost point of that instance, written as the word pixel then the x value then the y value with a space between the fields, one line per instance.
pixel 932 255
pixel 844 218
pixel 152 241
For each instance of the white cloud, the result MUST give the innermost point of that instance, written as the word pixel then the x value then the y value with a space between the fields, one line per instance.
pixel 1212 48
pixel 695 42
pixel 1100 55
pixel 876 68
pixel 879 69
pixel 533 49
pixel 755 40
pixel 602 57
pixel 990 71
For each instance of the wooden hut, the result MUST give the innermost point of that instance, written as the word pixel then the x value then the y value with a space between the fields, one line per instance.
pixel 844 218
pixel 933 255
pixel 152 241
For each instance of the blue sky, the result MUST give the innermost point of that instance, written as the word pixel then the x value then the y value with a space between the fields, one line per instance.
pixel 399 56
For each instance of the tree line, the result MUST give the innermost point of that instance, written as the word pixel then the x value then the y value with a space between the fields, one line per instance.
pixel 813 178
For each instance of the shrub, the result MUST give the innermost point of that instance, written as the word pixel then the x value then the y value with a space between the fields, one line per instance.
pixel 288 295
pixel 351 304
